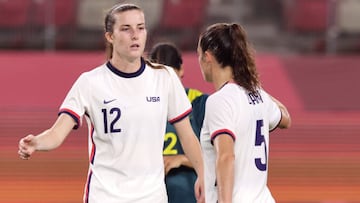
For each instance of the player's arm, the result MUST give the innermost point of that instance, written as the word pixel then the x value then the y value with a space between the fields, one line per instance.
pixel 198 100
pixel 47 140
pixel 192 149
pixel 224 147
pixel 190 144
pixel 285 116
pixel 175 161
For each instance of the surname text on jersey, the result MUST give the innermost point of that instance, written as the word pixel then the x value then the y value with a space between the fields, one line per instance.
pixel 255 98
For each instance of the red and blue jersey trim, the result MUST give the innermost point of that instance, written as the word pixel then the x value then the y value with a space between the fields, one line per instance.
pixel 220 132
pixel 87 190
pixel 92 156
pixel 180 117
pixel 71 113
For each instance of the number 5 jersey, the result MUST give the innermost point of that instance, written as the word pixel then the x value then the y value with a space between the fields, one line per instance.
pixel 247 118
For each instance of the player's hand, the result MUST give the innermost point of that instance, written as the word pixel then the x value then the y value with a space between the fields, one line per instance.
pixel 171 162
pixel 199 190
pixel 27 146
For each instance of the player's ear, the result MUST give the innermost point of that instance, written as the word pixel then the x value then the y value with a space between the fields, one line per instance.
pixel 208 57
pixel 109 37
pixel 180 72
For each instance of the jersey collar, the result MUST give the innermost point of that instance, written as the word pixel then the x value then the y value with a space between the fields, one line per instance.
pixel 127 75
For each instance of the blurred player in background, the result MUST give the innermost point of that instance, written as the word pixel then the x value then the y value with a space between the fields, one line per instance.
pixel 180 175
pixel 126 103
pixel 238 119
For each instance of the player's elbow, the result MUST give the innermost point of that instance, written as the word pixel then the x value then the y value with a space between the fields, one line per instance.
pixel 226 158
pixel 285 122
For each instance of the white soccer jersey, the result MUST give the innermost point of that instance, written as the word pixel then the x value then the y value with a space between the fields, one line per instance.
pixel 126 115
pixel 247 118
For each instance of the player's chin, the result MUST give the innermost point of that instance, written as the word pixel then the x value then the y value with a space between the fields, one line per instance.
pixel 136 53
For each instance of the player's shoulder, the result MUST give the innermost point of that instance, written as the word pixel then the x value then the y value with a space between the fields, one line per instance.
pixel 161 70
pixel 228 95
pixel 94 71
pixel 264 95
pixel 216 99
pixel 88 77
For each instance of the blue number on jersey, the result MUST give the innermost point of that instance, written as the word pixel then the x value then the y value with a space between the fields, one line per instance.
pixel 117 113
pixel 258 141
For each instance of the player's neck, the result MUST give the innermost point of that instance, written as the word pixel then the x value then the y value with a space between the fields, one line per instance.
pixel 221 77
pixel 126 66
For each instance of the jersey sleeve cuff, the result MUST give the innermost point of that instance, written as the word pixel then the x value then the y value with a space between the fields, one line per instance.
pixel 222 131
pixel 278 123
pixel 180 117
pixel 73 115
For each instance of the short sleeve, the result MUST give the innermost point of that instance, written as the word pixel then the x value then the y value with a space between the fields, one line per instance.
pixel 74 103
pixel 219 114
pixel 179 105
pixel 273 112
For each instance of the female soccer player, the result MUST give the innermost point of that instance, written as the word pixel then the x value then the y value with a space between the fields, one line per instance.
pixel 126 103
pixel 238 119
pixel 180 175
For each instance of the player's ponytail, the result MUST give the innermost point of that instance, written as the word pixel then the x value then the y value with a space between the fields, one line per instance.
pixel 244 68
pixel 228 44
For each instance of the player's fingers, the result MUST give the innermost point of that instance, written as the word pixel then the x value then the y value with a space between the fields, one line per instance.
pixel 166 160
pixel 22 146
pixel 171 165
pixel 201 198
pixel 23 151
pixel 28 138
pixel 23 155
pixel 199 194
pixel 167 169
pixel 23 142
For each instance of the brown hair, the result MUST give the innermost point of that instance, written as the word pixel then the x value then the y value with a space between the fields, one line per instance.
pixel 228 43
pixel 166 53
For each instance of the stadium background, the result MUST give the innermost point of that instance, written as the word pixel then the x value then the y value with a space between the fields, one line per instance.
pixel 307 53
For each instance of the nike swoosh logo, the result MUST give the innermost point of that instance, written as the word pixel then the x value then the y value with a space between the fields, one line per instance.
pixel 109 101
